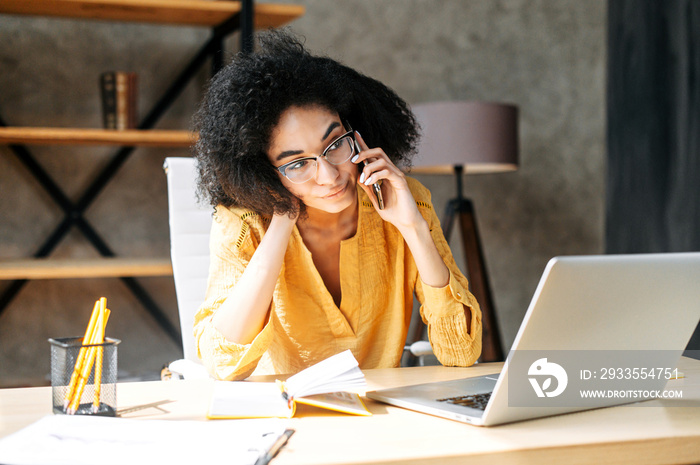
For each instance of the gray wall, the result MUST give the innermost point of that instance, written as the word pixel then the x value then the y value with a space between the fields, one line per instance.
pixel 546 56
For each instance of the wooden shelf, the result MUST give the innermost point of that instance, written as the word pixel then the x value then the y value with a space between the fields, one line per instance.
pixel 182 12
pixel 223 17
pixel 81 136
pixel 47 268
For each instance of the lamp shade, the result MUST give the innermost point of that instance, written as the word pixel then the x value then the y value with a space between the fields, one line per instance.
pixel 482 137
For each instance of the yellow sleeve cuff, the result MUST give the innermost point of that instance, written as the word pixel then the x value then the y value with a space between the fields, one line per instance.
pixel 230 361
pixel 445 301
pixel 461 349
pixel 443 311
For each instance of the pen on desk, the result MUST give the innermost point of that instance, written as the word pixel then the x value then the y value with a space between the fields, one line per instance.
pixel 269 454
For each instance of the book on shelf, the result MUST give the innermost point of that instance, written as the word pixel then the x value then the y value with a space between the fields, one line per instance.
pixel 109 100
pixel 328 384
pixel 119 99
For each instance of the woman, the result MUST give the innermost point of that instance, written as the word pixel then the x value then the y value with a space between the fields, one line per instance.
pixel 304 262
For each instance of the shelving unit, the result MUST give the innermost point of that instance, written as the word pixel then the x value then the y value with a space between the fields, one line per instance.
pixel 224 18
pixel 86 136
pixel 175 12
pixel 110 267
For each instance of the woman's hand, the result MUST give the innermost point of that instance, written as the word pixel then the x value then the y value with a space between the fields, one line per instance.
pixel 289 218
pixel 399 205
pixel 400 209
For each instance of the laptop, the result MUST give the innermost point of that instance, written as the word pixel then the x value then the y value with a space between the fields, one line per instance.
pixel 611 325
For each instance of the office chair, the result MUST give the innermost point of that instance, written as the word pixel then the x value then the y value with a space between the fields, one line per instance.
pixel 190 225
pixel 417 350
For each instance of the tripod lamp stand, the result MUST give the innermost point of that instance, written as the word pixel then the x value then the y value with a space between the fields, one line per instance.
pixel 468 138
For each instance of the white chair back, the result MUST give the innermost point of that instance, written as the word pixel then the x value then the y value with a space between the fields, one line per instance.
pixel 190 225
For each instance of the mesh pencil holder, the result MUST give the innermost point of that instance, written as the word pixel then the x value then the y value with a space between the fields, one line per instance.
pixel 74 389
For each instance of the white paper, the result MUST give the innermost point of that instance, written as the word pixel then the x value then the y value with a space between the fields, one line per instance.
pixel 77 440
pixel 248 400
pixel 340 372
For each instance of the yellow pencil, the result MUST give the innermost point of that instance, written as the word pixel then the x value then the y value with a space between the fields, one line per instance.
pixel 81 355
pixel 86 369
pixel 88 358
pixel 82 380
pixel 98 363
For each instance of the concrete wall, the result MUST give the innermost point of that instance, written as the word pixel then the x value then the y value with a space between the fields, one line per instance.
pixel 546 56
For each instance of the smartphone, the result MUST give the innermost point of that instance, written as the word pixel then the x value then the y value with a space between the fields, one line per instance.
pixel 376 187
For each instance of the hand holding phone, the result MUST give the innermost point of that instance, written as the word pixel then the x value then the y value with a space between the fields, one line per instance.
pixel 376 187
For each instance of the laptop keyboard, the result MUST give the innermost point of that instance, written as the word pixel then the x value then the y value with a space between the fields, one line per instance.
pixel 477 401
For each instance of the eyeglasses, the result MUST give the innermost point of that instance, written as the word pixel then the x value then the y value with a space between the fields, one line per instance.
pixel 337 153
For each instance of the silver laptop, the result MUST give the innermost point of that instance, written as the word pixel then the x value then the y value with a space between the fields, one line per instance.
pixel 600 330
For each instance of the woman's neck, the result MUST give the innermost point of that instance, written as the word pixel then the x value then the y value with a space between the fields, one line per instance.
pixel 342 224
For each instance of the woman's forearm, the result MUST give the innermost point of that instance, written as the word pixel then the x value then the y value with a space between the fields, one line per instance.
pixel 242 315
pixel 431 267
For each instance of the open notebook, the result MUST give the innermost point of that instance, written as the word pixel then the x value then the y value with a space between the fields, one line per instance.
pixel 328 384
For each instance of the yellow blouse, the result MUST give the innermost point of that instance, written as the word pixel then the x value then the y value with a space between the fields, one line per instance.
pixel 378 279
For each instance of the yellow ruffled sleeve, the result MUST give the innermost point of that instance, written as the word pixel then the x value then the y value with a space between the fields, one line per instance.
pixel 443 309
pixel 234 238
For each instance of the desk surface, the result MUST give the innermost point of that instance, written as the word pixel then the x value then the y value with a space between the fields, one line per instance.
pixel 661 431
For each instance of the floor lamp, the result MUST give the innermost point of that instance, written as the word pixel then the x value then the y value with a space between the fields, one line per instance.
pixel 466 138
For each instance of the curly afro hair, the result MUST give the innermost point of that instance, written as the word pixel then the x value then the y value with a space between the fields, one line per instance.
pixel 243 105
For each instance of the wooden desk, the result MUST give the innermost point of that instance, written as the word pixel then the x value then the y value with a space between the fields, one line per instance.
pixel 661 431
